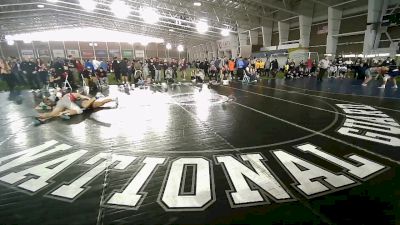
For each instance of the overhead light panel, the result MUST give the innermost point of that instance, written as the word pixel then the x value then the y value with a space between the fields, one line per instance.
pixel 27 41
pixel 40 6
pixel 180 48
pixel 171 30
pixel 168 46
pixel 10 42
pixel 149 15
pixel 85 35
pixel 202 27
pixel 197 3
pixel 225 32
pixel 120 9
pixel 52 1
pixel 88 5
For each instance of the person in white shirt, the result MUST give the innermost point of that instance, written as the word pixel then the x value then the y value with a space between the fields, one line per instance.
pixel 323 66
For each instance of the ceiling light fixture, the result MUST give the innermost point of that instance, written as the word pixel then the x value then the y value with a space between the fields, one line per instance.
pixel 180 48
pixel 225 32
pixel 197 3
pixel 10 42
pixel 149 15
pixel 171 30
pixel 120 9
pixel 202 27
pixel 53 1
pixel 88 5
pixel 168 46
pixel 40 6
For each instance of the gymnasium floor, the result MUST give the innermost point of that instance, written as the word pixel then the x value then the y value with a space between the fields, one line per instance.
pixel 238 154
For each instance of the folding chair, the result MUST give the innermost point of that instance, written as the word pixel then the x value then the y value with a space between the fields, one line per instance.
pixel 67 84
pixel 85 86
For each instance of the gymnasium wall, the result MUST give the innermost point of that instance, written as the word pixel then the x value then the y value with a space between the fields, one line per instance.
pixel 346 45
pixel 103 50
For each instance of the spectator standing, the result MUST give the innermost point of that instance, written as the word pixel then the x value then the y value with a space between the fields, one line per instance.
pixel 323 66
pixel 116 69
pixel 157 69
pixel 123 66
pixel 6 75
pixel 240 65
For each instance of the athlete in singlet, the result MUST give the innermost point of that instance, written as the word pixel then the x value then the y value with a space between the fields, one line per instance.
pixel 71 104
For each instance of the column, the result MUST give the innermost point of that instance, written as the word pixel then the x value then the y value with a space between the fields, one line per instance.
pixel 235 45
pixel 334 19
pixel 214 49
pixel 305 23
pixel 266 31
pixel 242 35
pixel 253 34
pixel 283 29
pixel 372 34
pixel 1 51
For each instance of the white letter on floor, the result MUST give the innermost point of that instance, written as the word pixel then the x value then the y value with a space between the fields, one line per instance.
pixel 367 168
pixel 203 186
pixel 372 126
pixel 31 154
pixel 370 136
pixel 41 172
pixel 261 176
pixel 130 197
pixel 72 190
pixel 308 173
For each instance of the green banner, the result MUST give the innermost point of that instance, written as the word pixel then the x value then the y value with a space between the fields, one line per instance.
pixel 127 53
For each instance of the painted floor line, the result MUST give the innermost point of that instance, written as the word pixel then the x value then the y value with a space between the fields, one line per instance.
pixel 318 133
pixel 324 97
pixel 285 100
pixel 239 149
pixel 334 93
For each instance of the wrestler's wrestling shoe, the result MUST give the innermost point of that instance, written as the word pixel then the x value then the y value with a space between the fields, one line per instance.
pixel 65 117
pixel 37 121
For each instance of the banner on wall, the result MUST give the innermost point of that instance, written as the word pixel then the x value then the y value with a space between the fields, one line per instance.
pixel 58 53
pixel 44 53
pixel 115 53
pixel 74 53
pixel 139 53
pixel 127 54
pixel 87 54
pixel 101 53
pixel 26 54
pixel 226 44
